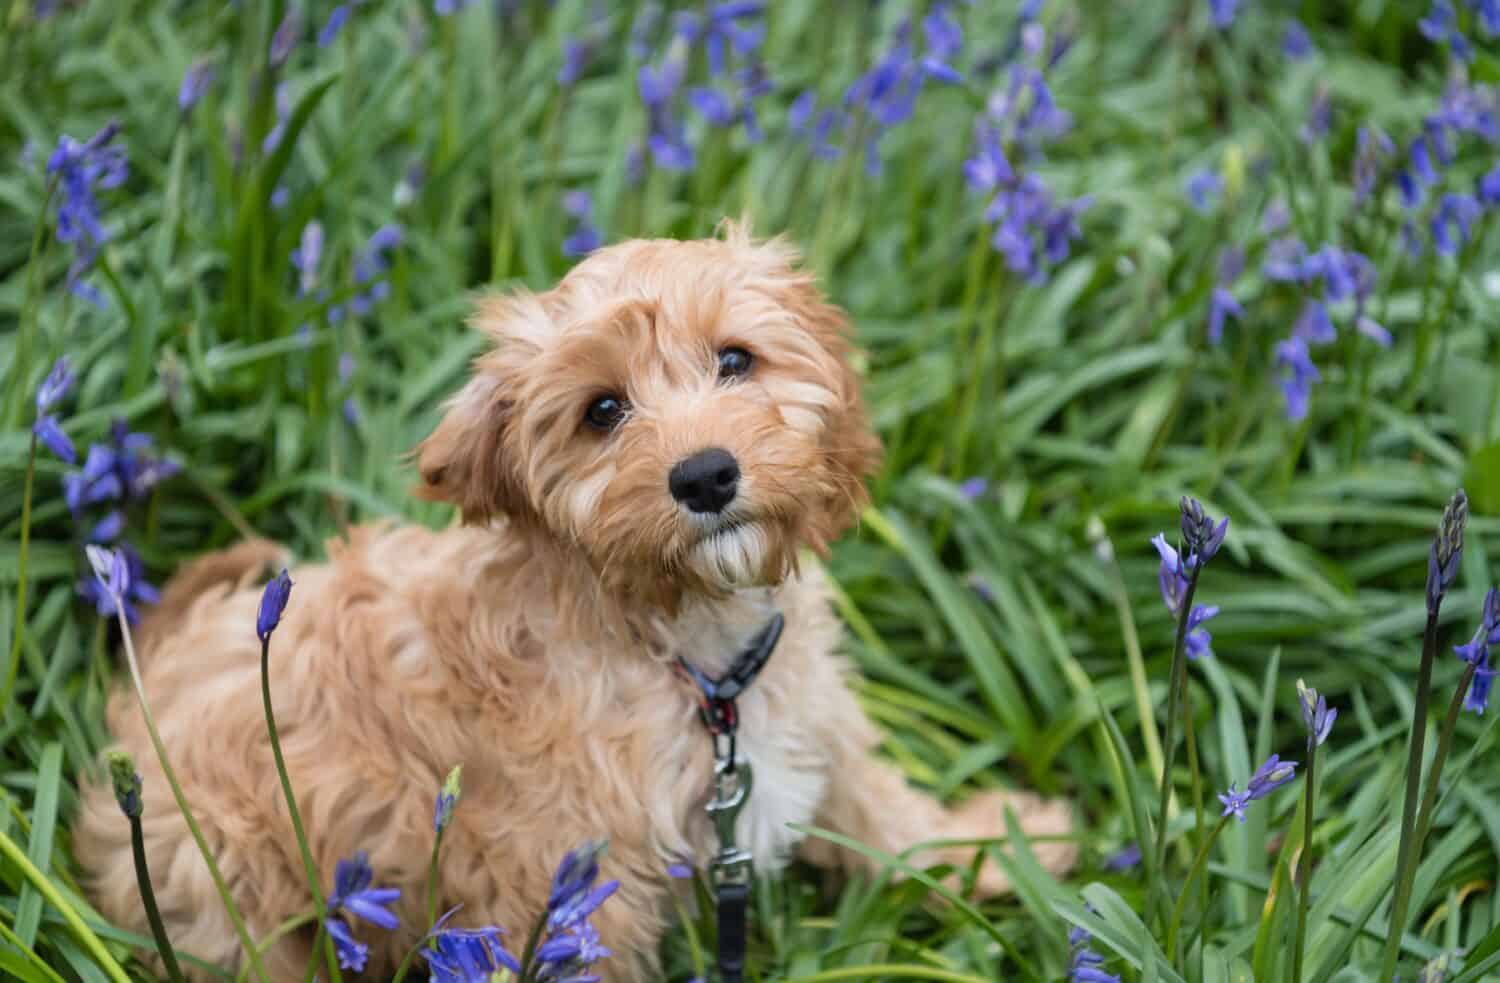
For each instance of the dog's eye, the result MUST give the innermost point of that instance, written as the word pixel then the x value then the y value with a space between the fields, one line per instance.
pixel 733 363
pixel 605 413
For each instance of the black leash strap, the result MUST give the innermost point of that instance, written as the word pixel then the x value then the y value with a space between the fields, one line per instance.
pixel 731 872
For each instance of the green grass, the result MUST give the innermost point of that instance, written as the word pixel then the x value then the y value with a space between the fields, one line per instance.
pixel 1091 402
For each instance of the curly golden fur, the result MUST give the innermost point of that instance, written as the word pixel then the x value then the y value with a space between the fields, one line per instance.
pixel 534 644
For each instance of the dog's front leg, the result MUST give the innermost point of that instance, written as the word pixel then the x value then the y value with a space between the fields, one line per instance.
pixel 869 800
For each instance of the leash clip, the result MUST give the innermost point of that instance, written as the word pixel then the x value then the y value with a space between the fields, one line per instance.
pixel 733 780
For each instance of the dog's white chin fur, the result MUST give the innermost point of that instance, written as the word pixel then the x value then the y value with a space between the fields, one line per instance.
pixel 732 558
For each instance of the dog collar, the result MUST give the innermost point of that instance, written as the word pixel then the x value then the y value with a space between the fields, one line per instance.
pixel 716 697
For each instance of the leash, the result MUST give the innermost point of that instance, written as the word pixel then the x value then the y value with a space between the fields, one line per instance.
pixel 731 872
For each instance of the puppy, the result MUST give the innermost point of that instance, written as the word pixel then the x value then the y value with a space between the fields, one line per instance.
pixel 639 460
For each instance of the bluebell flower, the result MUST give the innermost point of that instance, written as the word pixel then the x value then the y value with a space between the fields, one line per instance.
pixel 49 433
pixel 576 55
pixel 1447 550
pixel 109 528
pixel 1124 858
pixel 195 84
pixel 1317 715
pixel 124 585
pixel 1223 12
pixel 1198 644
pixel 370 264
pixel 126 781
pixel 307 257
pixel 1295 43
pixel 1084 964
pixel 680 871
pixel 1421 161
pixel 447 799
pixel 1314 325
pixel 1203 189
pixel 460 955
pixel 973 488
pixel 335 23
pixel 1221 305
pixel 1297 381
pixel 1477 653
pixel 1454 214
pixel 285 38
pixel 1488 12
pixel 283 102
pixel 447 8
pixel 97 481
pixel 353 895
pixel 1171 576
pixel 1441 26
pixel 79 168
pixel 1201 536
pixel 1267 779
pixel 1488 187
pixel 273 602
pixel 1285 261
pixel 585 237
pixel 1319 116
pixel 1276 218
pixel 1373 330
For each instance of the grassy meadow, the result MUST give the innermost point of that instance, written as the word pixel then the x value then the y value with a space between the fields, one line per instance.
pixel 1098 256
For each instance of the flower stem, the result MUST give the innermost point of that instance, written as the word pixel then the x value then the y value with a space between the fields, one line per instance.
pixel 148 901
pixel 1440 758
pixel 215 874
pixel 1198 863
pixel 1304 868
pixel 1169 740
pixel 308 866
pixel 14 665
pixel 27 327
pixel 1406 866
pixel 278 933
pixel 13 853
pixel 432 876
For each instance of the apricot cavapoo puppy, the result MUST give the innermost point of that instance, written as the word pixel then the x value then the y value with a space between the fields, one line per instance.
pixel 638 460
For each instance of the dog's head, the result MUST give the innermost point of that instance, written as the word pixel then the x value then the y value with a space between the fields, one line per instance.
pixel 681 412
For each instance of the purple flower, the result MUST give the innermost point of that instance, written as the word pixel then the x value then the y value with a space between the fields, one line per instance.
pixel 1220 306
pixel 108 529
pixel 49 432
pixel 353 895
pixel 1489 187
pixel 1477 653
pixel 335 23
pixel 272 603
pixel 1373 330
pixel 79 168
pixel 121 585
pixel 1314 325
pixel 576 55
pixel 1124 858
pixel 460 955
pixel 1447 550
pixel 370 264
pixel 1421 161
pixel 1084 963
pixel 195 83
pixel 447 8
pixel 973 488
pixel 1201 536
pixel 585 237
pixel 1317 715
pixel 1267 779
pixel 680 871
pixel 55 386
pixel 307 256
pixel 1171 577
pixel 1454 214
pixel 1296 382
pixel 1222 12
pixel 1319 116
pixel 285 38
pixel 1295 43
pixel 1203 190
pixel 1198 643
pixel 447 799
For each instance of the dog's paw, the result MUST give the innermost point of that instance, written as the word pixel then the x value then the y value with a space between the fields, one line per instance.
pixel 1044 821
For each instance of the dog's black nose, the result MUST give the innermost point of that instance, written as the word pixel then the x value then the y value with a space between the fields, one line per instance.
pixel 706 481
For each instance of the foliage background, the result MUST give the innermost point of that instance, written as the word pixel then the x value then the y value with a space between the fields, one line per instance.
pixel 992 623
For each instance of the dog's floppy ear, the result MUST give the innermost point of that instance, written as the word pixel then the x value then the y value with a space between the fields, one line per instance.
pixel 463 461
pixel 467 460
